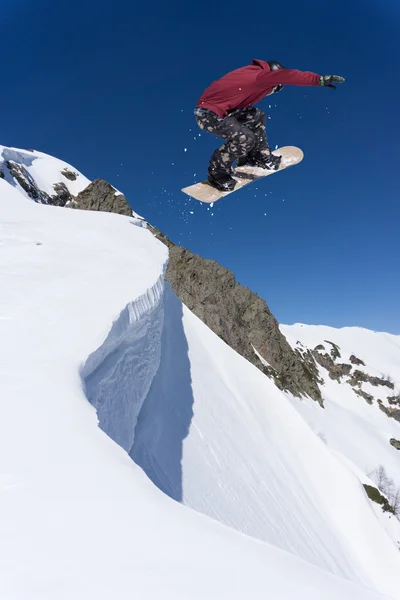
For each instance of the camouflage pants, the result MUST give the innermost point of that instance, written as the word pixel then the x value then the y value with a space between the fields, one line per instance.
pixel 243 131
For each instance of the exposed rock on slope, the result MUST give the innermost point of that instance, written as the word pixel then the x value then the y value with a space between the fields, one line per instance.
pixel 101 195
pixel 239 317
pixel 42 178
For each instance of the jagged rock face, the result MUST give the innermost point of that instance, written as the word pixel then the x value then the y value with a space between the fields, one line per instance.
pixel 238 316
pixel 22 176
pixel 336 370
pixel 101 195
pixel 63 195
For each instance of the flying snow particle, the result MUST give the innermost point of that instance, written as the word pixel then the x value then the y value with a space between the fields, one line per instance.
pixel 185 149
pixel 191 212
pixel 212 204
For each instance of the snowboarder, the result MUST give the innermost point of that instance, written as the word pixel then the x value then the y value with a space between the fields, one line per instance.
pixel 226 110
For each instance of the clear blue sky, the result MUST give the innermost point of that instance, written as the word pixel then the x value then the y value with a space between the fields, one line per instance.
pixel 110 87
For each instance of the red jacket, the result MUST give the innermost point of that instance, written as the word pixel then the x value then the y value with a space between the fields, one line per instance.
pixel 246 86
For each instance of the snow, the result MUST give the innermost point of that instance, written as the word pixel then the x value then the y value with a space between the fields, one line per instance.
pixel 244 456
pixel 353 428
pixel 91 336
pixel 358 433
pixel 46 170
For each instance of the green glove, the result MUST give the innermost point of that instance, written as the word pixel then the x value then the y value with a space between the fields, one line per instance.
pixel 328 80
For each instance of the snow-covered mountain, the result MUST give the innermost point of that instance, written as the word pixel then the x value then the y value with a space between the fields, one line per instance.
pixel 91 336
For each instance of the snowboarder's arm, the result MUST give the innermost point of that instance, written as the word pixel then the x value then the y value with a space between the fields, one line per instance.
pixel 289 77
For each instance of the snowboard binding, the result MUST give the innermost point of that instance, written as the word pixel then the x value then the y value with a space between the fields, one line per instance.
pixel 261 160
pixel 222 180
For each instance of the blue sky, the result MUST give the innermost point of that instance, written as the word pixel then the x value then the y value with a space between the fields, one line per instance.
pixel 110 87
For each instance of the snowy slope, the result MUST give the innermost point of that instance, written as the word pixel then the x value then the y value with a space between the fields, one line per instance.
pixel 41 174
pixel 45 170
pixel 78 519
pixel 358 432
pixel 244 456
pixel 352 427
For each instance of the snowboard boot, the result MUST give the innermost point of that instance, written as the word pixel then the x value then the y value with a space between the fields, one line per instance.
pixel 222 180
pixel 261 160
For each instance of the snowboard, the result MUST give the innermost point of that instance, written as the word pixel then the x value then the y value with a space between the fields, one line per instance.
pixel 205 192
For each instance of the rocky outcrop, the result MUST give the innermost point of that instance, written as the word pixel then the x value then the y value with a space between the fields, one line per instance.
pixel 22 176
pixel 336 370
pixel 62 195
pixel 375 495
pixel 364 395
pixel 335 351
pixel 395 443
pixel 394 400
pixel 389 411
pixel 239 317
pixel 356 361
pixel 101 195
pixel 359 377
pixel 70 175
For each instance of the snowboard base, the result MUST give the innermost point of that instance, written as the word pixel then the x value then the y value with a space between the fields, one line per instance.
pixel 205 192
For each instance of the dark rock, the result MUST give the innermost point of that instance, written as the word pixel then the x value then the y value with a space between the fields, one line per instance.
pixel 389 411
pixel 62 196
pixel 374 494
pixel 239 317
pixel 336 370
pixel 100 195
pixel 395 443
pixel 359 377
pixel 356 361
pixel 1 174
pixel 319 348
pixel 71 175
pixel 307 357
pixel 364 395
pixel 394 399
pixel 25 180
pixel 335 352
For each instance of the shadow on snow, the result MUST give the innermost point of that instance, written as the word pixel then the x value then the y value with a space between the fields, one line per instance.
pixel 164 420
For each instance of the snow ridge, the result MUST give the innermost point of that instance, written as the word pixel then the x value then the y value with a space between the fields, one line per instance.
pixel 118 375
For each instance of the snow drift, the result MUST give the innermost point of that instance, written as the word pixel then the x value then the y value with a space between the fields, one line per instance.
pixel 85 316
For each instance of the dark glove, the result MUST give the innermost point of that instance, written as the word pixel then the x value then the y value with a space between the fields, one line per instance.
pixel 329 80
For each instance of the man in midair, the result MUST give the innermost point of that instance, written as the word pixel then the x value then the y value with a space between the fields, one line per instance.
pixel 226 109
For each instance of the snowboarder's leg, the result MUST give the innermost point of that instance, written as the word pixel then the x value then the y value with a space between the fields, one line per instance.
pixel 239 140
pixel 260 155
pixel 255 119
